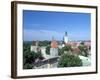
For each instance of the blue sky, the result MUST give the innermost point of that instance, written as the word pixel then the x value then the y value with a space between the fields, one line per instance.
pixel 42 25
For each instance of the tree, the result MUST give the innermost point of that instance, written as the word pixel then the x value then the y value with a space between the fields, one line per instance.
pixel 68 60
pixel 60 52
pixel 29 57
pixel 84 50
pixel 64 49
pixel 67 48
pixel 40 56
pixel 28 66
pixel 48 50
pixel 44 43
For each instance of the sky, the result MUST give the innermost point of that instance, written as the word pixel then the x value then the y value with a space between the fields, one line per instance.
pixel 43 25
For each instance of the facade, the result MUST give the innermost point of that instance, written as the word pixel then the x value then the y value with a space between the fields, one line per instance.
pixel 53 52
pixel 35 47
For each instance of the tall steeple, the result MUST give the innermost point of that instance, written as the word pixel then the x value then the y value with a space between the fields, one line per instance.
pixel 66 38
pixel 66 33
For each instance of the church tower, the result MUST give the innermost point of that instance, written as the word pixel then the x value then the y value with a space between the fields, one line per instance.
pixel 54 48
pixel 65 38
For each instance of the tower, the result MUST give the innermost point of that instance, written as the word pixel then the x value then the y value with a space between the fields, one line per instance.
pixel 35 46
pixel 54 48
pixel 54 43
pixel 66 38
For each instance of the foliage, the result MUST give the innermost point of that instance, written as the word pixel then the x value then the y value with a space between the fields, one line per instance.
pixel 44 43
pixel 48 50
pixel 29 57
pixel 65 48
pixel 40 56
pixel 28 66
pixel 84 50
pixel 60 52
pixel 68 60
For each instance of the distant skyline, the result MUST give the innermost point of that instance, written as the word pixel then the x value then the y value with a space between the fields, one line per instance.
pixel 42 25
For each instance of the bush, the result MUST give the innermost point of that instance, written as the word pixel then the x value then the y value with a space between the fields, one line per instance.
pixel 68 60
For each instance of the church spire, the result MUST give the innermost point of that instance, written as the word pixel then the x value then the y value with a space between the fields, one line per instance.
pixel 66 33
pixel 66 38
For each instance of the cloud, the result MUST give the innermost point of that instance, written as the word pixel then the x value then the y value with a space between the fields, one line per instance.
pixel 31 34
pixel 41 35
pixel 79 35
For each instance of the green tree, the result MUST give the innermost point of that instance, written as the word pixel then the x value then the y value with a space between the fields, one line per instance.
pixel 60 52
pixel 68 60
pixel 65 48
pixel 84 50
pixel 28 66
pixel 44 43
pixel 29 57
pixel 48 50
pixel 40 56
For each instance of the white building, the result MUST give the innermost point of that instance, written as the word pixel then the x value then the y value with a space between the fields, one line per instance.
pixel 35 47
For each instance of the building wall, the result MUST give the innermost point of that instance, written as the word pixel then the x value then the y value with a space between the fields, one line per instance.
pixel 33 48
pixel 53 52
